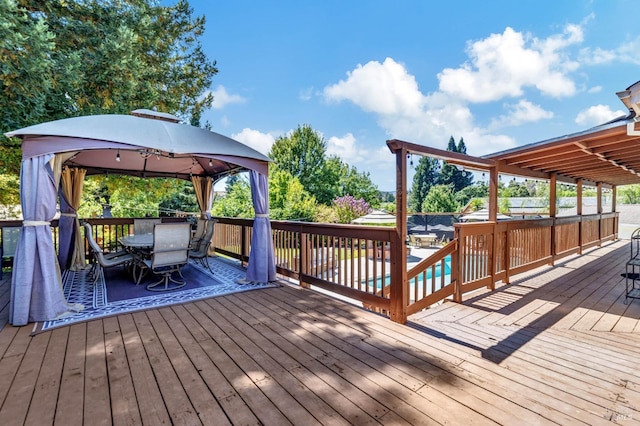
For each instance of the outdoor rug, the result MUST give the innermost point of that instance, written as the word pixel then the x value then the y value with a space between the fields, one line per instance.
pixel 118 294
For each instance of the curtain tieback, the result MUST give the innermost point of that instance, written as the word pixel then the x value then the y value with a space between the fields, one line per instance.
pixel 35 223
pixel 69 214
pixel 262 215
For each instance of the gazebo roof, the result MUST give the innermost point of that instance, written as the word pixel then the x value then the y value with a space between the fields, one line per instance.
pixel 143 145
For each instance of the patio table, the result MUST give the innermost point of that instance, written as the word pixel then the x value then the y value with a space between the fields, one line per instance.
pixel 425 240
pixel 137 241
pixel 138 245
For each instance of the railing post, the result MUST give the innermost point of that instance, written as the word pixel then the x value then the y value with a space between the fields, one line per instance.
pixel 399 292
pixel 554 249
pixel 492 256
pixel 506 255
pixel 304 258
pixel 456 270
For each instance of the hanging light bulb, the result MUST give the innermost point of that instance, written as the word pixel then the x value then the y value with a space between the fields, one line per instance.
pixel 210 163
pixel 118 156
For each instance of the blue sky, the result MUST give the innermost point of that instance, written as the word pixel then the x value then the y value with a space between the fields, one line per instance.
pixel 499 74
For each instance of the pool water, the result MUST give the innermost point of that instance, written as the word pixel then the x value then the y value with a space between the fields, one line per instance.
pixel 438 271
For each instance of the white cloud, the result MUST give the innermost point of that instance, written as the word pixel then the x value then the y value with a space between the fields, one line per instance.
pixel 503 65
pixel 383 88
pixel 597 114
pixel 627 52
pixel 519 113
pixel 630 52
pixel 261 142
pixel 222 98
pixel 345 148
pixel 405 113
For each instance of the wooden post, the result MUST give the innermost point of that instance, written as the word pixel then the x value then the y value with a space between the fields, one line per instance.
pixel 493 216
pixel 553 187
pixel 599 197
pixel 456 270
pixel 304 258
pixel 614 202
pixel 399 293
pixel 493 194
pixel 579 212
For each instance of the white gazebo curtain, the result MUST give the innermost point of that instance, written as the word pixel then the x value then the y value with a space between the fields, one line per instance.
pixel 203 186
pixel 36 285
pixel 261 266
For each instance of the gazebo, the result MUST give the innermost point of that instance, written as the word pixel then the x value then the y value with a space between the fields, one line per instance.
pixel 57 155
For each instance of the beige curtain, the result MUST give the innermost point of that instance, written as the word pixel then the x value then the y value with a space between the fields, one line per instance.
pixel 72 184
pixel 202 186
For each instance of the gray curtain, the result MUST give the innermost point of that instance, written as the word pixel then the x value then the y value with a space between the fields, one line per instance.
pixel 262 265
pixel 66 232
pixel 36 287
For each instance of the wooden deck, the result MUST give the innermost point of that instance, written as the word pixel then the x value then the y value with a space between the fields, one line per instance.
pixel 555 347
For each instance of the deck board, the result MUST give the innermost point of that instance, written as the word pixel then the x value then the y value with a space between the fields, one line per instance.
pixel 556 346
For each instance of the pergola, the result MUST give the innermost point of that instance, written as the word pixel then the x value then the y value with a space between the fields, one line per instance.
pixel 605 156
pixel 58 154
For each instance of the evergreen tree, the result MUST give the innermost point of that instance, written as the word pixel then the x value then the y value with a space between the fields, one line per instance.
pixel 425 177
pixel 450 175
pixel 79 57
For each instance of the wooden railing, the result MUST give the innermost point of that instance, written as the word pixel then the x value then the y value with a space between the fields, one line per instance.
pixel 358 262
pixel 351 261
pixel 484 253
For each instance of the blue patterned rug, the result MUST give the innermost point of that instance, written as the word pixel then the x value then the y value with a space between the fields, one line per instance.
pixel 120 295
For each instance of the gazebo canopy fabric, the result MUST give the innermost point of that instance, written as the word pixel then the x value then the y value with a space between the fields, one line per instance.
pixel 481 215
pixel 144 147
pixel 376 217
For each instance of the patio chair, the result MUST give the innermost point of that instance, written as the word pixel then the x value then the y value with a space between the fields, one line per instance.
pixel 198 235
pixel 200 254
pixel 145 226
pixel 10 236
pixel 169 254
pixel 102 260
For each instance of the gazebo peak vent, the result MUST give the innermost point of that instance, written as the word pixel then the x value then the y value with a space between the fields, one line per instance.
pixel 155 115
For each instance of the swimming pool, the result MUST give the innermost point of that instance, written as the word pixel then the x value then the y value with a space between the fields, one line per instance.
pixel 429 275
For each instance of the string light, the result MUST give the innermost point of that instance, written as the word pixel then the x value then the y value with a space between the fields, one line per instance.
pixel 118 156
